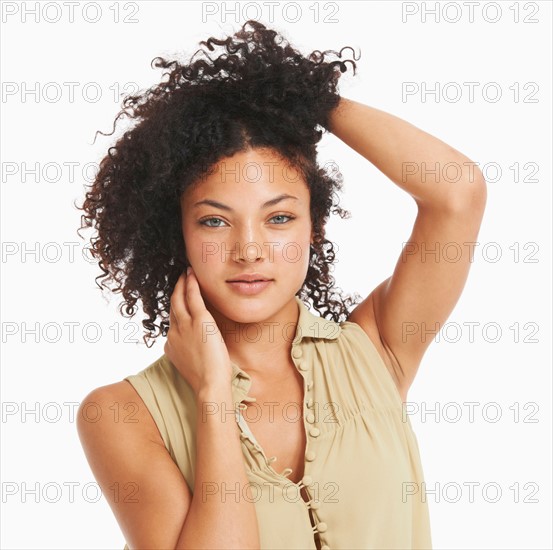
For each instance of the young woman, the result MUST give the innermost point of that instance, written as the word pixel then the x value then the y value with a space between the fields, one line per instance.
pixel 264 425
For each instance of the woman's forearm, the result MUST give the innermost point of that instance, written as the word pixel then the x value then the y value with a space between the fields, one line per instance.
pixel 431 171
pixel 222 513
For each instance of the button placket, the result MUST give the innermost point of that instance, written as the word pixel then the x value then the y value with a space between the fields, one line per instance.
pixel 318 328
pixel 310 455
pixel 302 366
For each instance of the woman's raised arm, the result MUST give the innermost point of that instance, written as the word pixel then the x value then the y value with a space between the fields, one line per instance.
pixel 408 309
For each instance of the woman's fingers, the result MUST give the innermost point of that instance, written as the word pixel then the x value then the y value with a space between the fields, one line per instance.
pixel 186 300
pixel 193 297
pixel 178 307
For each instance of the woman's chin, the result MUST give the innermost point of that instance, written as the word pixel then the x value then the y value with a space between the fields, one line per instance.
pixel 241 309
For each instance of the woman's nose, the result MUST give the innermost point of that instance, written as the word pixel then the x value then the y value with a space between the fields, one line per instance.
pixel 250 243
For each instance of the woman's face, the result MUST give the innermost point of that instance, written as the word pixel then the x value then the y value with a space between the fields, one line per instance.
pixel 245 233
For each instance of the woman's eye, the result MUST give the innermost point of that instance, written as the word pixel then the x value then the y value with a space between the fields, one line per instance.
pixel 204 222
pixel 282 216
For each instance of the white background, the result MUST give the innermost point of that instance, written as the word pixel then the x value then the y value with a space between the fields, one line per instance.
pixel 396 48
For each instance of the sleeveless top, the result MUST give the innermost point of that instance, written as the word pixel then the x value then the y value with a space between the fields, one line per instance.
pixel 363 470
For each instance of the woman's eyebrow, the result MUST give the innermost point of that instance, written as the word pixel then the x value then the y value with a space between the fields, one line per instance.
pixel 222 206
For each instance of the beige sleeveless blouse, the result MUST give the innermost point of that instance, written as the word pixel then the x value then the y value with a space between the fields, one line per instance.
pixel 362 466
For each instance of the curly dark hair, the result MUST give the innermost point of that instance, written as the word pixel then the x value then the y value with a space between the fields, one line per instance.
pixel 260 93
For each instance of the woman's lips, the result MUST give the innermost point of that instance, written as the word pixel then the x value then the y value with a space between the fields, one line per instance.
pixel 255 287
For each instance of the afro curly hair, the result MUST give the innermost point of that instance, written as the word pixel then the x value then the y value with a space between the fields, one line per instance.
pixel 260 93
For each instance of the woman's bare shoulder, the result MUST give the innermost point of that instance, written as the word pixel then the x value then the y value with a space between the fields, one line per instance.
pixel 125 452
pixel 117 404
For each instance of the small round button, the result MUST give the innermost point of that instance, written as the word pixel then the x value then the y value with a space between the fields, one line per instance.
pixel 296 352
pixel 310 456
pixel 325 547
pixel 307 481
pixel 314 432
pixel 314 505
pixel 321 527
pixel 310 418
pixel 303 366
